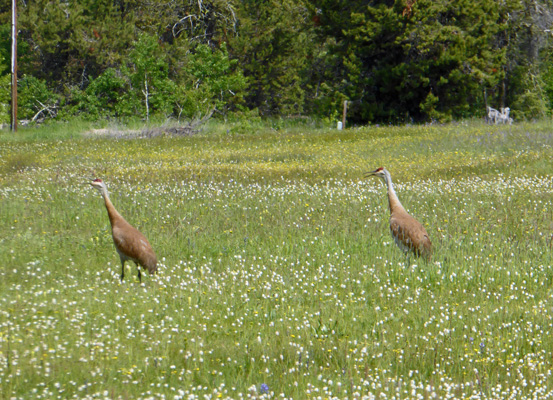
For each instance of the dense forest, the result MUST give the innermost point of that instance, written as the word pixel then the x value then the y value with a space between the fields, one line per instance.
pixel 394 61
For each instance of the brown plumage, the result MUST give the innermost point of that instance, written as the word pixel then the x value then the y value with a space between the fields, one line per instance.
pixel 408 233
pixel 129 242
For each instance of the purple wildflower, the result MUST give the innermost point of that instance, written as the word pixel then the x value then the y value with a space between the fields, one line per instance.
pixel 264 388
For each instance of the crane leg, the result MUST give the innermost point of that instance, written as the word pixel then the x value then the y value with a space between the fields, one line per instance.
pixel 122 269
pixel 139 274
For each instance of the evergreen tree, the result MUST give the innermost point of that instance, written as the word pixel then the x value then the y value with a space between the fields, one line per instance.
pixel 527 67
pixel 72 40
pixel 414 60
pixel 208 21
pixel 394 60
pixel 272 45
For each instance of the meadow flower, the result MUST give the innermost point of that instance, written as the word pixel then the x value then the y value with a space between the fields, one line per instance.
pixel 326 316
pixel 264 388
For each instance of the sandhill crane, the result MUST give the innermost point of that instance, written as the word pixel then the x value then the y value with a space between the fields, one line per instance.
pixel 497 117
pixel 408 233
pixel 129 242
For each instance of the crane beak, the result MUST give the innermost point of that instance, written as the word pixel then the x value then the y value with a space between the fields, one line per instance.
pixel 371 173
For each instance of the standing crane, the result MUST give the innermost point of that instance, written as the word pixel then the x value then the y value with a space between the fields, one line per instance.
pixel 408 233
pixel 129 242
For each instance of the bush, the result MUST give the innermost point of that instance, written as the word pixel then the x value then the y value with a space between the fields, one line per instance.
pixel 101 97
pixel 211 82
pixel 35 99
pixel 4 92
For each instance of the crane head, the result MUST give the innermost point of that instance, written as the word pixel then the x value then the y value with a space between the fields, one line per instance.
pixel 98 184
pixel 379 172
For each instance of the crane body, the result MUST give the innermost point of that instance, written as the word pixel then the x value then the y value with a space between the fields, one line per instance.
pixel 408 233
pixel 129 242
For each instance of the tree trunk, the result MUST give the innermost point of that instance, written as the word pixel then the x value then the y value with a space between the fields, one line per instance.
pixel 146 97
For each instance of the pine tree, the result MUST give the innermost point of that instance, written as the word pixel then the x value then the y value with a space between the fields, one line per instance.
pixel 415 59
pixel 272 45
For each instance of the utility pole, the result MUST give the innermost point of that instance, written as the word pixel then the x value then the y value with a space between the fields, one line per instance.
pixel 14 67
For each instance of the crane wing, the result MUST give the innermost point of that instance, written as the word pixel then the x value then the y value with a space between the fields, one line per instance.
pixel 133 244
pixel 410 235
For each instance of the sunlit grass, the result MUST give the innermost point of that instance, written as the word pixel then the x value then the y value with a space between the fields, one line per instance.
pixel 277 266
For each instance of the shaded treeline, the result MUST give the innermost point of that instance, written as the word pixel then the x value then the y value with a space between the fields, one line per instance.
pixel 395 61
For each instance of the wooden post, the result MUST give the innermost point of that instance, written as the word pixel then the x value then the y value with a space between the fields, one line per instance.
pixel 344 114
pixel 14 67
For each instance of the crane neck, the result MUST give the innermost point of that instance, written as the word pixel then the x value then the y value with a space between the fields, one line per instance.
pixel 112 212
pixel 393 201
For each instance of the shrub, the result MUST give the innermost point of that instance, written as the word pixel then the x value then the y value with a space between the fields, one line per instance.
pixel 35 99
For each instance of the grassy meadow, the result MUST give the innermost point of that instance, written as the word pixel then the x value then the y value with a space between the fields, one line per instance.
pixel 278 277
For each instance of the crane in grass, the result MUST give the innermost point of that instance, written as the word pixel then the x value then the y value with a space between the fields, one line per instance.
pixel 408 233
pixel 129 242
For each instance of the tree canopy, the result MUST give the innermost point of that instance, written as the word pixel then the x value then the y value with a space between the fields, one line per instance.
pixel 394 61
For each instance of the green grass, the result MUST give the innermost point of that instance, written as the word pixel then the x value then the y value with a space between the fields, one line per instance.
pixel 276 264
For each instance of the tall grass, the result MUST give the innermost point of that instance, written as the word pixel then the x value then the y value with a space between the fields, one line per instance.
pixel 278 276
